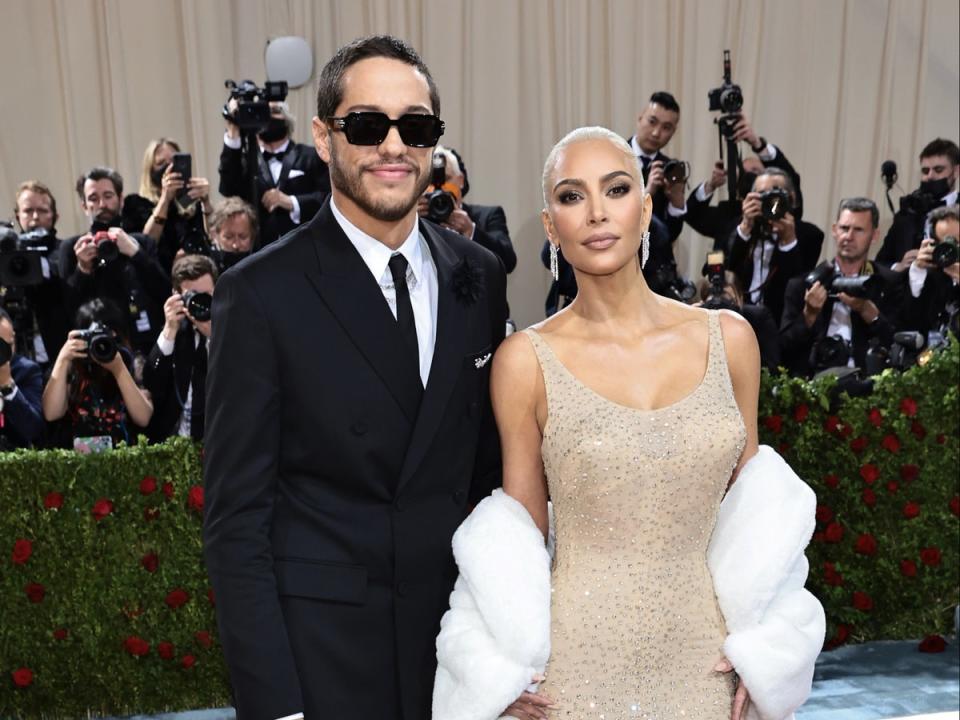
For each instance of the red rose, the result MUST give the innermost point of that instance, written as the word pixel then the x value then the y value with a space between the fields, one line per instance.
pixel 930 556
pixel 800 412
pixel 875 417
pixel 35 591
pixel 150 561
pixel 859 444
pixel 22 677
pixel 918 430
pixel 210 598
pixel 891 443
pixel 773 423
pixel 22 550
pixel 832 481
pixel 824 514
pixel 60 634
pixel 831 424
pixel 932 644
pixel 148 485
pixel 101 508
pixel 195 498
pixel 831 576
pixel 866 544
pixel 892 487
pixel 840 636
pixel 188 661
pixel 909 473
pixel 138 647
pixel 167 490
pixel 911 510
pixel 941 439
pixel 908 406
pixel 203 638
pixel 845 430
pixel 834 532
pixel 908 568
pixel 151 514
pixel 955 505
pixel 869 497
pixel 165 650
pixel 176 599
pixel 53 501
pixel 862 601
pixel 869 473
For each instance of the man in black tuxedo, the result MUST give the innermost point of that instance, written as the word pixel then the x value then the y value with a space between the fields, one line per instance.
pixel 21 389
pixel 348 416
pixel 811 313
pixel 939 169
pixel 292 182
pixel 934 288
pixel 176 369
pixel 765 254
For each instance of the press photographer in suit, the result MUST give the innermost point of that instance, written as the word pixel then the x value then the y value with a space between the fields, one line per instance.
pixel 21 387
pixel 291 180
pixel 934 276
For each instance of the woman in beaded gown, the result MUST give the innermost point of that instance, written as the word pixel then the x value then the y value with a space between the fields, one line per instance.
pixel 633 414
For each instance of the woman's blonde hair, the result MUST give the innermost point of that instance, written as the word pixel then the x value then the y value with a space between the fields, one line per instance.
pixel 591 132
pixel 147 188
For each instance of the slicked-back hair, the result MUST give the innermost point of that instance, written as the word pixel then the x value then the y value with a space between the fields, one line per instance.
pixel 665 100
pixel 778 172
pixel 580 134
pixel 330 87
pixel 942 146
pixel 947 212
pixel 859 205
pixel 100 173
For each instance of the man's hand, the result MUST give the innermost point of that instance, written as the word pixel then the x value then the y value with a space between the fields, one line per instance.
pixel 6 374
pixel 273 199
pixel 786 229
pixel 744 131
pixel 908 257
pixel 751 211
pixel 813 302
pixel 867 310
pixel 924 256
pixel 85 250
pixel 125 244
pixel 460 222
pixel 655 177
pixel 233 131
pixel 173 313
pixel 718 177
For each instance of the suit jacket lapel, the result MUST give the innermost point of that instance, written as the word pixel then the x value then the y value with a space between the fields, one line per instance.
pixel 355 299
pixel 266 177
pixel 448 354
pixel 287 164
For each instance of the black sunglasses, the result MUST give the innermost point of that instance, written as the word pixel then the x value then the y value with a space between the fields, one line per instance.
pixel 371 128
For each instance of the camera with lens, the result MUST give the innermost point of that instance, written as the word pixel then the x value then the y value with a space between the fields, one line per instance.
pixel 198 304
pixel 946 252
pixel 20 264
pixel 107 250
pixel 676 171
pixel 774 205
pixel 859 286
pixel 829 351
pixel 726 99
pixel 665 280
pixel 101 344
pixel 253 103
pixel 919 202
pixel 715 273
pixel 442 201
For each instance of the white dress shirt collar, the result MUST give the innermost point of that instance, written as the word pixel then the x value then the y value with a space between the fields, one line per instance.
pixel 640 153
pixel 375 254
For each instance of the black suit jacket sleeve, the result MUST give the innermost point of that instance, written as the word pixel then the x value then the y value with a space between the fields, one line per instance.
pixel 796 338
pixel 317 170
pixel 491 232
pixel 904 234
pixel 23 413
pixel 232 183
pixel 241 475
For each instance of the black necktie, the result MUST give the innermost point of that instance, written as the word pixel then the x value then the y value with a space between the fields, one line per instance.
pixel 198 381
pixel 405 321
pixel 278 154
pixel 645 161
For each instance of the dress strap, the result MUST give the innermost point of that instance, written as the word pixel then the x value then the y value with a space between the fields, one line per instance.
pixel 550 366
pixel 718 372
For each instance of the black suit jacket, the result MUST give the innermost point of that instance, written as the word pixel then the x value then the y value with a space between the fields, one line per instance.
pixel 23 415
pixel 783 265
pixel 797 340
pixel 491 232
pixel 929 311
pixel 331 498
pixel 310 188
pixel 905 233
pixel 167 377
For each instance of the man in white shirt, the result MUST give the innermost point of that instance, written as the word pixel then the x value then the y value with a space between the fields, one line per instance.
pixel 933 279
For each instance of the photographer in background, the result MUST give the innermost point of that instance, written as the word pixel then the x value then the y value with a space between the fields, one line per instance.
pixel 38 306
pixel 21 385
pixel 233 232
pixel 939 168
pixel 107 262
pixel 176 369
pixel 486 225
pixel 291 180
pixel 770 246
pixel 91 394
pixel 933 277
pixel 831 316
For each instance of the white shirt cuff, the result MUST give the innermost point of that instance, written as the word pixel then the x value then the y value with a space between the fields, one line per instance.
pixel 166 346
pixel 702 194
pixel 12 395
pixel 232 143
pixel 295 213
pixel 918 276
pixel 789 246
pixel 740 234
pixel 768 153
pixel 675 211
pixel 295 716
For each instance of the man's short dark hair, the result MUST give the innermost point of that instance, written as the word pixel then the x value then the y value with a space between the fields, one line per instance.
pixel 859 205
pixel 330 87
pixel 39 188
pixel 192 267
pixel 665 100
pixel 100 173
pixel 947 212
pixel 780 173
pixel 4 315
pixel 941 146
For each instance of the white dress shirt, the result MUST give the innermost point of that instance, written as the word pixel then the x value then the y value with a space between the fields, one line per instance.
pixel 275 166
pixel 421 280
pixel 841 322
pixel 166 349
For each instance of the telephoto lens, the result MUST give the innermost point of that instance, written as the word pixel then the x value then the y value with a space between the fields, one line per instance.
pixel 198 304
pixel 945 252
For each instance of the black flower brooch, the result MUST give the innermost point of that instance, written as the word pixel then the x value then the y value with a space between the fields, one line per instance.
pixel 467 281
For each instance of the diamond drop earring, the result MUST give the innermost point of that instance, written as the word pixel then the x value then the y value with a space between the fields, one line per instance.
pixel 554 262
pixel 645 251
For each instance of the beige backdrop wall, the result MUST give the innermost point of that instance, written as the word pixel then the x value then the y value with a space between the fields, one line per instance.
pixel 841 85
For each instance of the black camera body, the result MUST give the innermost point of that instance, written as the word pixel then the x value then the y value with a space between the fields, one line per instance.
pixel 774 204
pixel 919 202
pixel 828 352
pixel 101 344
pixel 198 304
pixel 946 252
pixel 860 286
pixel 665 280
pixel 676 171
pixel 713 271
pixel 253 103
pixel 440 203
pixel 726 99
pixel 20 264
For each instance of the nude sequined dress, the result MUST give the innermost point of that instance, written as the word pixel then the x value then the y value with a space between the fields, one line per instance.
pixel 635 625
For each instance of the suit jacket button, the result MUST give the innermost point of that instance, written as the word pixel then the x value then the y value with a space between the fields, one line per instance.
pixel 359 428
pixel 402 588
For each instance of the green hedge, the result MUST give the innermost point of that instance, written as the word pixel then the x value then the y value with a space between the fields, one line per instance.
pixel 106 608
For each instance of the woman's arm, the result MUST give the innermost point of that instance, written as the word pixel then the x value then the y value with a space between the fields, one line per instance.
pixel 55 396
pixel 139 405
pixel 519 406
pixel 743 360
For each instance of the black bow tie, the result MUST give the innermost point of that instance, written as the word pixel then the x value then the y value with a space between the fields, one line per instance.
pixel 267 155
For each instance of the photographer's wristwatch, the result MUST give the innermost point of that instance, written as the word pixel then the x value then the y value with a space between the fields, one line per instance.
pixel 761 147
